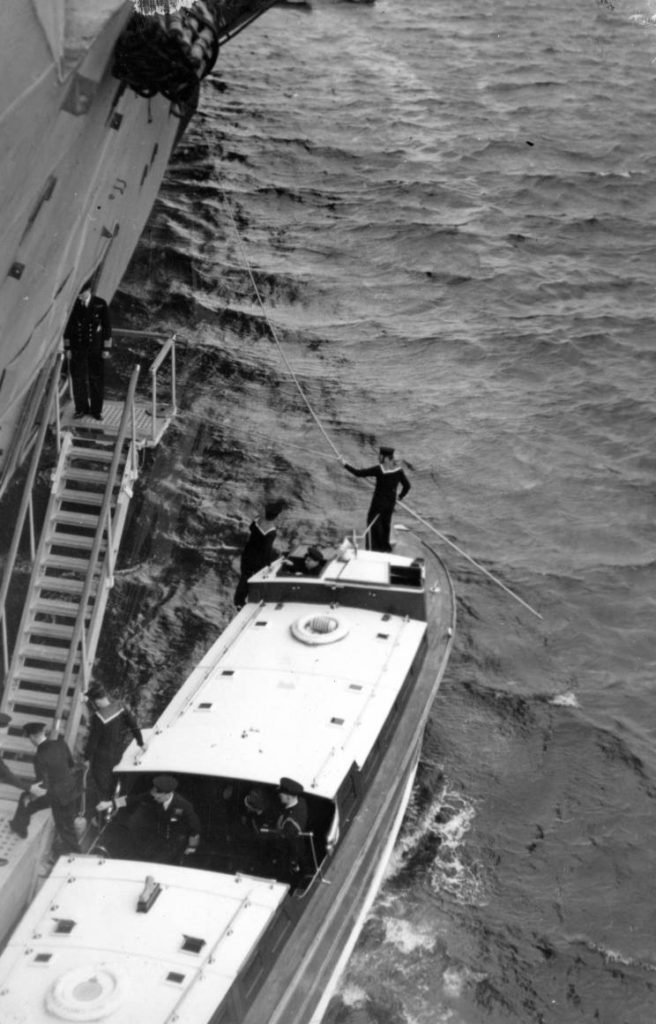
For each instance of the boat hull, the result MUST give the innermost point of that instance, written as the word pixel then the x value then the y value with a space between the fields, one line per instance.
pixel 308 969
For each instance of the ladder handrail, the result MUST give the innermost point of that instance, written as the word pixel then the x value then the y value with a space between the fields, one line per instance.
pixel 79 632
pixel 25 508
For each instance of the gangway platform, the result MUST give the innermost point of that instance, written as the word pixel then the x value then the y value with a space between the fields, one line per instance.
pixel 49 665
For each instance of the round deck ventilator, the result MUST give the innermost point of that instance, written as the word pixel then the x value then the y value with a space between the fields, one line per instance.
pixel 319 629
pixel 86 993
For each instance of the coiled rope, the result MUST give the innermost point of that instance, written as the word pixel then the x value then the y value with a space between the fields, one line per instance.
pixel 337 455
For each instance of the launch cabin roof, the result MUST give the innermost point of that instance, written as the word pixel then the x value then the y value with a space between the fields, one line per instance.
pixel 264 703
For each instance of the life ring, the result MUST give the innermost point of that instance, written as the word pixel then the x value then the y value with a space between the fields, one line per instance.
pixel 87 993
pixel 322 628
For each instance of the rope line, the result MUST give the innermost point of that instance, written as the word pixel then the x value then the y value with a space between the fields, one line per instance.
pixel 337 455
pixel 273 333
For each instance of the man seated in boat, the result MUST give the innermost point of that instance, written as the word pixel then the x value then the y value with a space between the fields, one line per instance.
pixel 259 820
pixel 161 825
pixel 304 562
pixel 260 811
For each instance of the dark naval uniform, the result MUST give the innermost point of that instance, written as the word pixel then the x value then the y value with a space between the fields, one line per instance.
pixel 258 552
pixel 53 766
pixel 163 831
pixel 379 516
pixel 87 336
pixel 291 824
pixel 106 743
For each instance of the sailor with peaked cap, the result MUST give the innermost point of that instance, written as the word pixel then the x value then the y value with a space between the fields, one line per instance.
pixel 54 768
pixel 388 478
pixel 291 825
pixel 166 822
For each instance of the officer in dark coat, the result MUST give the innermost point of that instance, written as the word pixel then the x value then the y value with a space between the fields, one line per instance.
pixel 292 822
pixel 164 827
pixel 107 739
pixel 259 549
pixel 54 769
pixel 388 478
pixel 87 341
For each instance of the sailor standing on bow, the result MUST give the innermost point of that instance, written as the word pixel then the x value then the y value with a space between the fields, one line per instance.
pixel 87 341
pixel 389 477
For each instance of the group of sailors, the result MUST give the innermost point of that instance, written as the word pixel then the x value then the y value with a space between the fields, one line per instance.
pixel 57 785
pixel 390 484
pixel 173 828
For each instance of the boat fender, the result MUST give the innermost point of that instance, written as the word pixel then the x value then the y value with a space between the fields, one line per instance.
pixel 319 629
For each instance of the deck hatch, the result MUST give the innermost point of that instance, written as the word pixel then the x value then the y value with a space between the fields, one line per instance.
pixel 337 721
pixel 228 672
pixel 191 944
pixel 204 706
pixel 175 977
pixel 64 925
pixel 41 958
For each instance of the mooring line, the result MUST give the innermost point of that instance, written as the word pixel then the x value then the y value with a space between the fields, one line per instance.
pixel 329 441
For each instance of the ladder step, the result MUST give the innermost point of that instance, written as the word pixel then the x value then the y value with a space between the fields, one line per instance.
pixel 66 562
pixel 60 585
pixel 84 520
pixel 46 652
pixel 52 606
pixel 87 476
pixel 29 674
pixel 81 497
pixel 26 699
pixel 77 541
pixel 21 745
pixel 91 454
pixel 57 630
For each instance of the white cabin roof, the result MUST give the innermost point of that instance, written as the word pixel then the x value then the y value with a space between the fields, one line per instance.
pixel 263 704
pixel 125 962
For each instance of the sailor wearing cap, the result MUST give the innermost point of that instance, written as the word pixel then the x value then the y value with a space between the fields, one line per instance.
pixel 54 768
pixel 388 478
pixel 259 550
pixel 292 824
pixel 110 724
pixel 172 821
pixel 87 341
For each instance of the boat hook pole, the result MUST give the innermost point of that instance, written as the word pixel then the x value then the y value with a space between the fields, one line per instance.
pixel 477 565
pixel 328 440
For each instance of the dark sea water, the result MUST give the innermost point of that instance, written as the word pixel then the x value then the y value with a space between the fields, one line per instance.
pixel 449 211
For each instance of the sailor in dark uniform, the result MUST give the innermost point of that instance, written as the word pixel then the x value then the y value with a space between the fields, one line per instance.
pixel 389 477
pixel 110 724
pixel 291 824
pixel 87 341
pixel 164 827
pixel 54 768
pixel 259 549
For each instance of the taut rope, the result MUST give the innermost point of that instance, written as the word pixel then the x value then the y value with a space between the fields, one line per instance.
pixel 404 506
